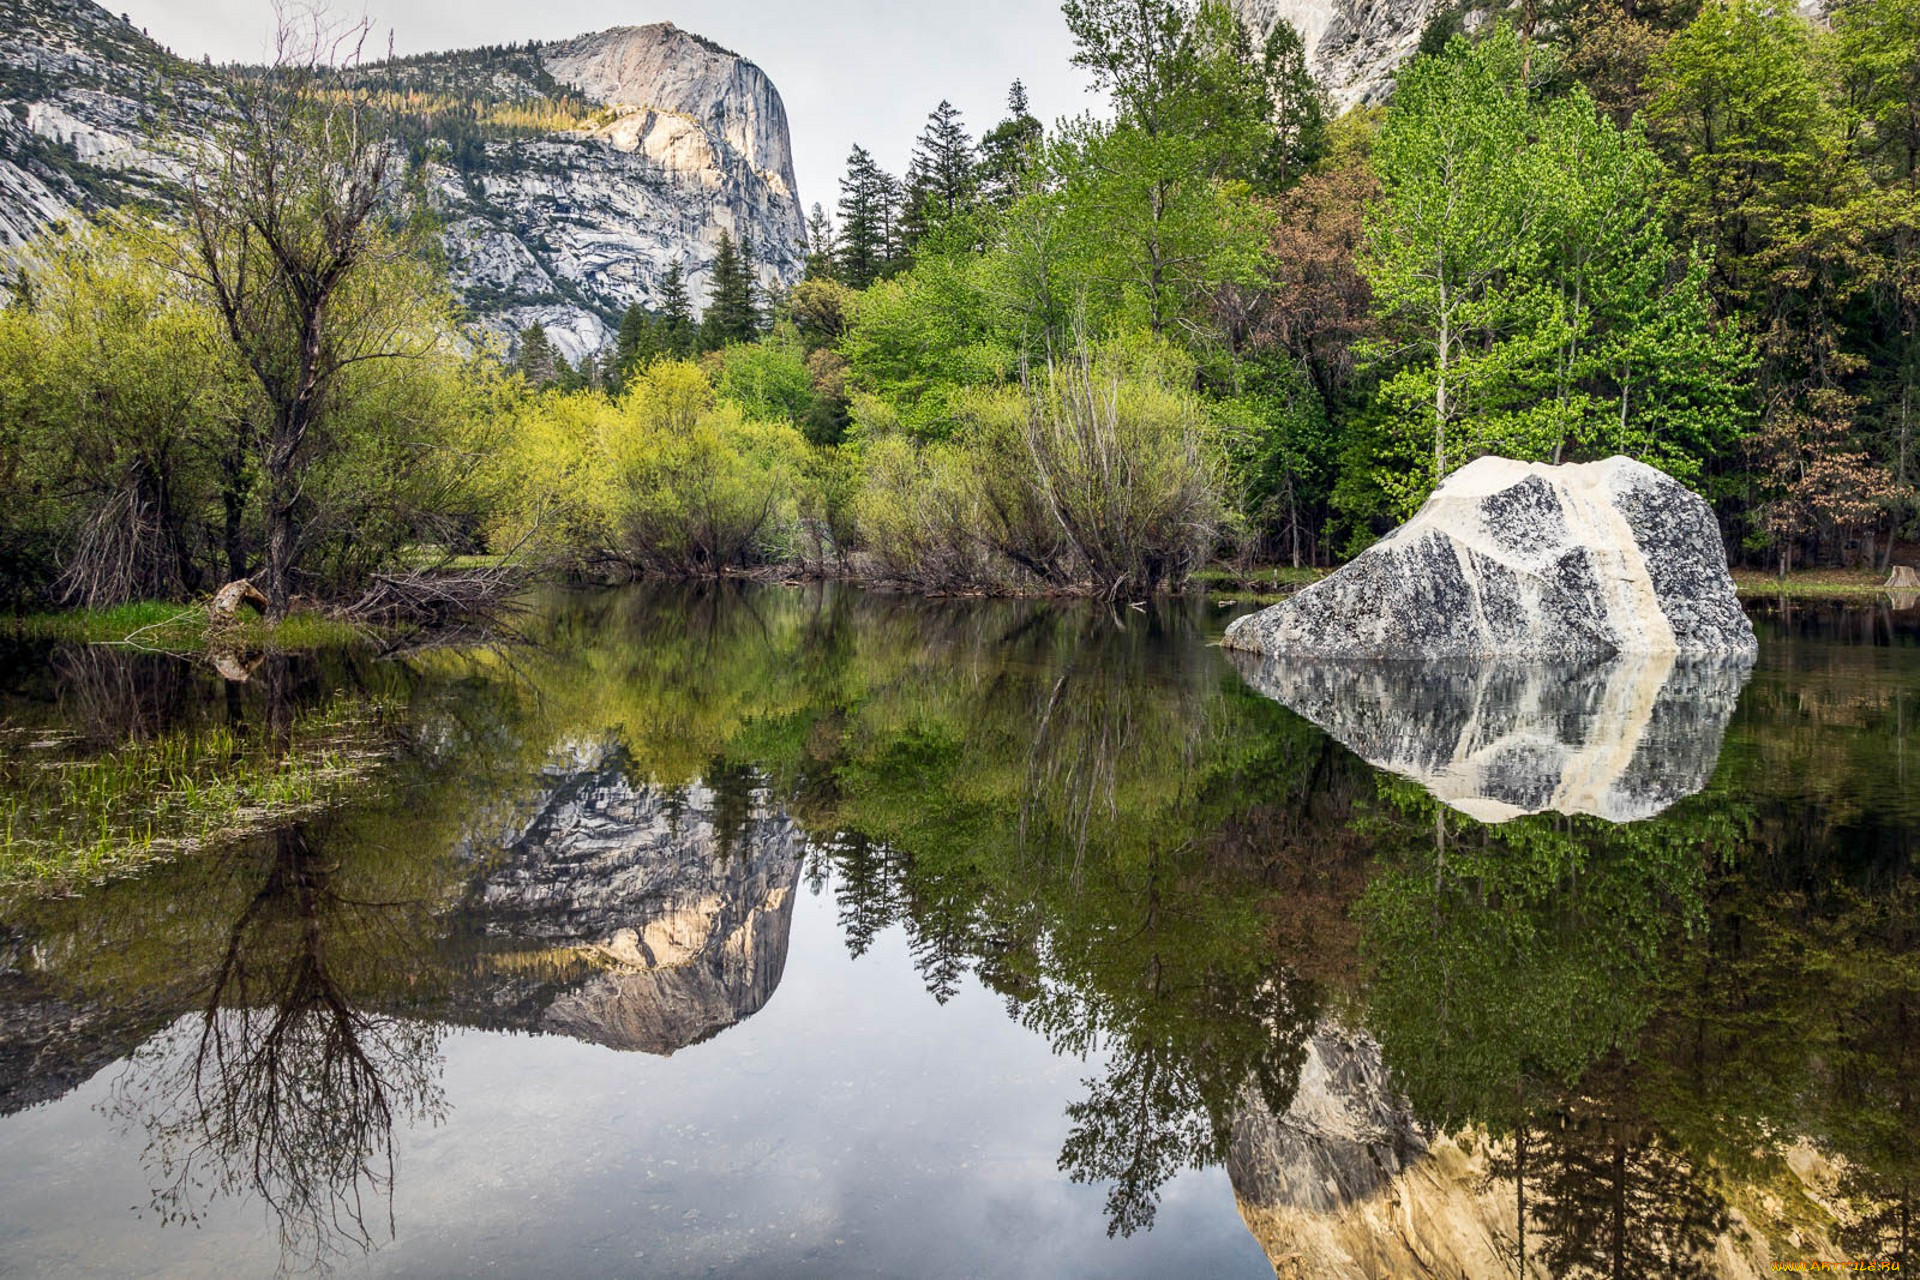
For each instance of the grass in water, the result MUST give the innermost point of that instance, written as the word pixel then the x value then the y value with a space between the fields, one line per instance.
pixel 68 819
pixel 1812 584
pixel 175 628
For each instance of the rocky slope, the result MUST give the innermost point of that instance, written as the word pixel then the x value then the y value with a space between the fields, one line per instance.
pixel 570 228
pixel 569 177
pixel 1353 46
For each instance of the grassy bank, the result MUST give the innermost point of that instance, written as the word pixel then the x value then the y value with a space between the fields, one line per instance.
pixel 1270 583
pixel 175 628
pixel 1857 585
pixel 1265 584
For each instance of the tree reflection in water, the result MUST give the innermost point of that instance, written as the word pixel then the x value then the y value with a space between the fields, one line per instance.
pixel 1160 872
pixel 281 1087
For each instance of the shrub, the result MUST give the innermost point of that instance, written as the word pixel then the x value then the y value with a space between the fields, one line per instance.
pixel 664 480
pixel 921 518
pixel 1097 474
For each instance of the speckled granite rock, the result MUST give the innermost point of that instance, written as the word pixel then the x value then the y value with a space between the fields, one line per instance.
pixel 1619 738
pixel 1515 559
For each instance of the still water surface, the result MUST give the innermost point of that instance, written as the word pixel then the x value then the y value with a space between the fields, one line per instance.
pixel 770 932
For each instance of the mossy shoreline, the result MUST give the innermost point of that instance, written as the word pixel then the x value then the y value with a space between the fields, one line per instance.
pixel 1268 583
pixel 183 628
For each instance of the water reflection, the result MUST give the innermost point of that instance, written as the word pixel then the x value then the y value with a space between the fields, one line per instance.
pixel 283 1087
pixel 1551 1043
pixel 631 916
pixel 1621 739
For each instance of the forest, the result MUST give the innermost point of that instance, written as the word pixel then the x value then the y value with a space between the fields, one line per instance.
pixel 1213 323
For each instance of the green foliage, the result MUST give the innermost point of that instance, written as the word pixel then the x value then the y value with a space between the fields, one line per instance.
pixel 1098 474
pixel 919 340
pixel 118 403
pixel 1279 450
pixel 664 479
pixel 769 380
pixel 1520 249
pixel 1154 213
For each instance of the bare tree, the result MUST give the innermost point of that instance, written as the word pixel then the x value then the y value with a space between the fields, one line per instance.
pixel 295 227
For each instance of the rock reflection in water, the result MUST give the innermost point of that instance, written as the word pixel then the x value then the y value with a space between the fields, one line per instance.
pixel 1347 1183
pixel 1621 739
pixel 640 917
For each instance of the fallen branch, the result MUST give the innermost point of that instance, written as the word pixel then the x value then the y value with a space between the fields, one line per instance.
pixel 437 599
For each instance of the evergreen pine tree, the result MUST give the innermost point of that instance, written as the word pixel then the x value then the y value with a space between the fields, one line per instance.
pixel 731 315
pixel 536 360
pixel 940 177
pixel 1008 150
pixel 635 347
pixel 820 247
pixel 676 315
pixel 1299 111
pixel 866 220
pixel 751 292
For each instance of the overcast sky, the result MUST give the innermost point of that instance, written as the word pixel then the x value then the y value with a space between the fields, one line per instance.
pixel 865 71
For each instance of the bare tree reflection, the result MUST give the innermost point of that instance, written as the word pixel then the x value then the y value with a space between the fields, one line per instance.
pixel 282 1088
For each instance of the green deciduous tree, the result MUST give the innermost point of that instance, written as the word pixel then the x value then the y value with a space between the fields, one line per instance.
pixel 1154 200
pixel 1533 303
pixel 1453 224
pixel 119 402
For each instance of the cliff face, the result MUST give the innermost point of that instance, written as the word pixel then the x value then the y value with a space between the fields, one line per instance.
pixel 82 94
pixel 1353 46
pixel 677 142
pixel 569 229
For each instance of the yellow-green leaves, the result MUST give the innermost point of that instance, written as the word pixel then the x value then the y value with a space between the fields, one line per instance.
pixel 666 478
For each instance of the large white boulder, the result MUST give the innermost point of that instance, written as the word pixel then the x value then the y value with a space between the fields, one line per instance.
pixel 1518 559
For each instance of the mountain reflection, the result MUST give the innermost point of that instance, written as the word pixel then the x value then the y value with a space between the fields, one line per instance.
pixel 1550 1043
pixel 631 916
pixel 1621 739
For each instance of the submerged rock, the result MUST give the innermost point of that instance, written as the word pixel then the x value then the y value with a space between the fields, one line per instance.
pixel 1619 738
pixel 1516 559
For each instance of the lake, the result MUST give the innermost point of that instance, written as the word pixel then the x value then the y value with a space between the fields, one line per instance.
pixel 752 931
